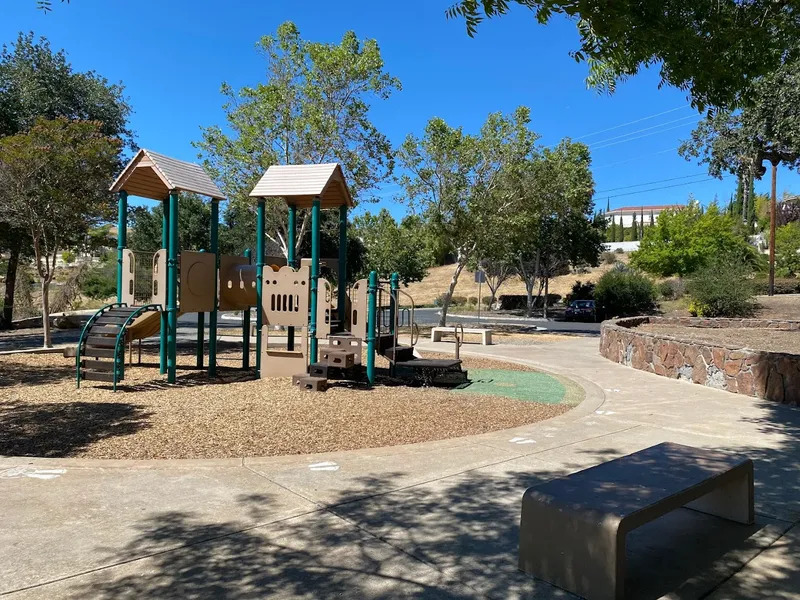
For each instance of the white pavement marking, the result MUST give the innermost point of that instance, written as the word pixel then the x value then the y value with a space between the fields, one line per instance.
pixel 324 466
pixel 17 472
pixel 611 390
pixel 604 412
pixel 520 440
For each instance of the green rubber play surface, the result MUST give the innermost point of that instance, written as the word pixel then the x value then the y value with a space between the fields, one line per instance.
pixel 528 386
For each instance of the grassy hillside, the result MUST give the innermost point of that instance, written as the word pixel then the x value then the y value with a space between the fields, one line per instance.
pixel 438 279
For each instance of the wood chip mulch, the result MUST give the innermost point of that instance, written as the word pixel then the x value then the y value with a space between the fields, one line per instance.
pixel 43 414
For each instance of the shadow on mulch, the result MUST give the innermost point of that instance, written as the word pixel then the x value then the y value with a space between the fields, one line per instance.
pixel 57 430
pixel 14 373
pixel 197 378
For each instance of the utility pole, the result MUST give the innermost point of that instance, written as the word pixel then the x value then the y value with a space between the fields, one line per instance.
pixel 772 217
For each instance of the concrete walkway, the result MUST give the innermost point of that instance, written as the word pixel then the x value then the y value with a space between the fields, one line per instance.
pixel 433 520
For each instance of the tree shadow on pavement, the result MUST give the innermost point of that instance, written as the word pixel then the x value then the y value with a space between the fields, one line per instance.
pixel 58 430
pixel 450 538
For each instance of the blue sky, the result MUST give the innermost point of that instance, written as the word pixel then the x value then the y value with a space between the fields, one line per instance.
pixel 172 56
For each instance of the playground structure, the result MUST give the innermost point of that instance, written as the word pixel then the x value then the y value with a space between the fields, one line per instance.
pixel 287 293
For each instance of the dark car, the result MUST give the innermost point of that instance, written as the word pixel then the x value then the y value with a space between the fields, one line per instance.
pixel 581 310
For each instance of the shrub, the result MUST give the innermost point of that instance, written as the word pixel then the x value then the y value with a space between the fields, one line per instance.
pixel 672 289
pixel 608 258
pixel 458 300
pixel 619 251
pixel 581 291
pixel 622 293
pixel 783 285
pixel 99 283
pixel 722 289
pixel 68 257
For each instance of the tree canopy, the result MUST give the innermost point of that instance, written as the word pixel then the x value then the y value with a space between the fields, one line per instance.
pixel 312 108
pixel 686 239
pixel 393 248
pixel 55 185
pixel 713 49
pixel 461 183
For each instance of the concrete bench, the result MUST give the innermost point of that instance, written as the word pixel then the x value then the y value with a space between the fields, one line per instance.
pixel 486 334
pixel 572 531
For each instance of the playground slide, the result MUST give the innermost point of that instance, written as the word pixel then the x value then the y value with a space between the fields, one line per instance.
pixel 146 325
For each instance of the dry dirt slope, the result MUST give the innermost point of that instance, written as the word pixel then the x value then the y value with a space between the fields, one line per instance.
pixel 438 279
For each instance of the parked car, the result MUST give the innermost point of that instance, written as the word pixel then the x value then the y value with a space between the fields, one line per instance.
pixel 581 310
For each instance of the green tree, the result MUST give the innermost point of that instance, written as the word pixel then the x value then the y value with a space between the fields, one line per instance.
pixel 551 224
pixel 652 221
pixel 787 250
pixel 313 108
pixel 391 247
pixel 684 240
pixel 461 184
pixel 713 50
pixel 194 225
pixel 634 229
pixel 36 82
pixel 55 182
pixel 767 129
pixel 611 236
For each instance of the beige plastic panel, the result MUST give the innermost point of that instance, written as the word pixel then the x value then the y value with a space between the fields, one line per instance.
pixel 324 310
pixel 237 283
pixel 197 281
pixel 358 309
pixel 285 296
pixel 128 276
pixel 326 265
pixel 277 362
pixel 160 278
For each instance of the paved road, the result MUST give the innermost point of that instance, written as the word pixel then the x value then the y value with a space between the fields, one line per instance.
pixel 430 316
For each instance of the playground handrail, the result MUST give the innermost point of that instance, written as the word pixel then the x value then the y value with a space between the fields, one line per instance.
pixel 413 322
pixel 85 330
pixel 121 336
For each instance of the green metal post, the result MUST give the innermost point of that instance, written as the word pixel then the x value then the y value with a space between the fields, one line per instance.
pixel 372 293
pixel 312 325
pixel 248 254
pixel 290 259
pixel 394 306
pixel 342 283
pixel 260 218
pixel 122 236
pixel 201 330
pixel 162 358
pixel 212 317
pixel 172 290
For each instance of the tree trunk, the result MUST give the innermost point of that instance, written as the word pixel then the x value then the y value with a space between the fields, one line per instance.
pixel 745 198
pixel 450 289
pixel 11 283
pixel 47 338
pixel 546 289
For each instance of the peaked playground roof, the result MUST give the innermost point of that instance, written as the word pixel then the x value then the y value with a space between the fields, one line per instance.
pixel 300 184
pixel 152 175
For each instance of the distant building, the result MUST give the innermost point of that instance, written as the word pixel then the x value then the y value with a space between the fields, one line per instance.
pixel 625 213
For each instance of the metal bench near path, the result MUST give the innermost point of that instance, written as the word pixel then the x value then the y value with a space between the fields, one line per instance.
pixel 438 332
pixel 573 529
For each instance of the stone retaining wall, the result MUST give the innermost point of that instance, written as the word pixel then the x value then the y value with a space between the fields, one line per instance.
pixel 770 375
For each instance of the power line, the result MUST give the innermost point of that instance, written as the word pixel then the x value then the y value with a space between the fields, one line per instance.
pixel 663 187
pixel 627 160
pixel 627 187
pixel 644 135
pixel 631 122
pixel 624 135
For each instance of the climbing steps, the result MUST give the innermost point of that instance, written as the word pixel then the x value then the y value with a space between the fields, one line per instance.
pixel 100 355
pixel 340 360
